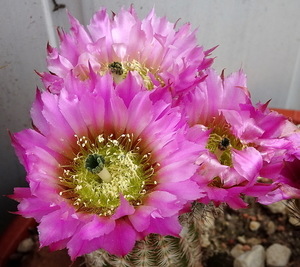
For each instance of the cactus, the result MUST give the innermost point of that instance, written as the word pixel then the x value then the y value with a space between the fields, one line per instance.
pixel 162 251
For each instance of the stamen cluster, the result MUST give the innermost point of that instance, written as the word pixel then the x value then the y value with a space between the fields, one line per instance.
pixel 131 174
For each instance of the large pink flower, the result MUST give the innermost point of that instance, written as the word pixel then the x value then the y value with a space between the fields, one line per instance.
pixel 245 142
pixel 157 54
pixel 105 166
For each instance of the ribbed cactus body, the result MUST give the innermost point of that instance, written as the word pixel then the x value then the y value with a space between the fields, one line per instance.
pixel 161 251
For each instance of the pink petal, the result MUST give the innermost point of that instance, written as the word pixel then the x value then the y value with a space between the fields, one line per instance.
pixel 120 241
pixel 20 193
pixel 247 162
pixel 31 206
pixel 86 239
pixel 56 226
pixel 68 105
pixel 61 244
pixel 98 226
pixel 37 117
pixel 124 209
pixel 185 190
pixel 164 226
pixel 140 220
pixel 166 204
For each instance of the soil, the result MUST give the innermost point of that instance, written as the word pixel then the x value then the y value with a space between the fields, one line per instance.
pixel 234 228
pixel 224 233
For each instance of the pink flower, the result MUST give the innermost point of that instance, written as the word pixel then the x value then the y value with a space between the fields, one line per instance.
pixel 151 49
pixel 105 168
pixel 279 175
pixel 245 142
pixel 285 186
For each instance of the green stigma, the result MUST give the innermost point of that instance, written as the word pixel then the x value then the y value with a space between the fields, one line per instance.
pixel 116 67
pixel 94 163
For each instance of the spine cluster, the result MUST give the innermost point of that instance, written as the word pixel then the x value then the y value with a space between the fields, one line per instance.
pixel 161 251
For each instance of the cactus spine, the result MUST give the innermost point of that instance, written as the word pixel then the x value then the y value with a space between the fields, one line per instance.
pixel 161 251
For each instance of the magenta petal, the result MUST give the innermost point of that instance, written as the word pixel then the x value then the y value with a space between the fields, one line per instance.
pixel 21 193
pixel 58 64
pixel 68 106
pixel 61 244
pixel 242 125
pixel 128 88
pixel 185 190
pixel 91 111
pixel 209 168
pixel 124 209
pixel 37 117
pixel 247 162
pixel 39 159
pixel 57 225
pixel 198 133
pixel 97 227
pixel 86 239
pixel 165 203
pixel 120 241
pixel 68 47
pixel 234 200
pixel 78 31
pixel 290 192
pixel 272 169
pixel 31 206
pixel 140 220
pixel 22 141
pixel 165 226
pixel 217 194
pixel 141 104
pixel 36 208
pixel 83 241
pixel 273 196
pixel 259 190
pixel 79 248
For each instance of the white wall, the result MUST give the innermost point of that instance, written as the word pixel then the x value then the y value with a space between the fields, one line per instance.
pixel 261 36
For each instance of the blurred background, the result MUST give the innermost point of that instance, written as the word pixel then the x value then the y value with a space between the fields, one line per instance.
pixel 261 37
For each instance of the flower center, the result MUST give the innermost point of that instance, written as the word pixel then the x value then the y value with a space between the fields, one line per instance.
pixel 119 72
pixel 216 182
pixel 104 169
pixel 221 141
